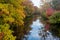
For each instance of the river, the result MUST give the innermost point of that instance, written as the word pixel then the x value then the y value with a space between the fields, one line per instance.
pixel 37 33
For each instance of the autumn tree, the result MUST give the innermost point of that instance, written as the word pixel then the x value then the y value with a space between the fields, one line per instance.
pixel 29 8
pixel 11 18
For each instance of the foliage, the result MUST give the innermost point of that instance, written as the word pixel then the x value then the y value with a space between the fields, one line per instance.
pixel 7 33
pixel 55 18
pixel 56 4
pixel 29 8
pixel 54 21
pixel 44 16
pixel 13 16
pixel 11 12
pixel 5 18
pixel 52 16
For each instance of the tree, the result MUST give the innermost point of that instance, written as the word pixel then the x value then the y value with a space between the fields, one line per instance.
pixel 54 21
pixel 11 13
pixel 29 8
pixel 7 33
pixel 56 4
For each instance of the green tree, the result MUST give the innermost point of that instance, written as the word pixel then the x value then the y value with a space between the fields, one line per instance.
pixel 54 21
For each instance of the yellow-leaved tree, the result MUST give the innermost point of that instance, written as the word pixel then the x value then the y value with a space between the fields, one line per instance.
pixel 11 18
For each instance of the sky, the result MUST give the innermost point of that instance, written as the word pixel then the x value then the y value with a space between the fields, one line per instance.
pixel 37 2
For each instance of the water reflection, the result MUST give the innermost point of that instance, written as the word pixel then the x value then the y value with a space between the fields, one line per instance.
pixel 38 32
pixel 34 33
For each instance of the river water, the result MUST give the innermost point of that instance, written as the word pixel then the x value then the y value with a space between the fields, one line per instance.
pixel 37 32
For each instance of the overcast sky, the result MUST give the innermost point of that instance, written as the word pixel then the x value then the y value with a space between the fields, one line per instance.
pixel 37 2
